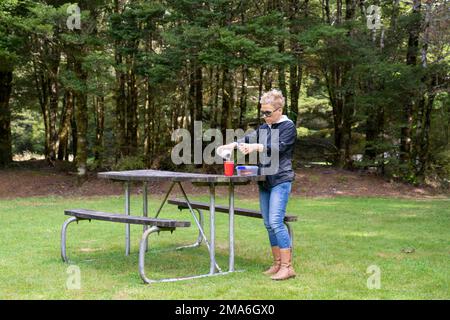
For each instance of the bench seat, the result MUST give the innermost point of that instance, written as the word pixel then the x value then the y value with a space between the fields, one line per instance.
pixel 85 214
pixel 182 204
pixel 151 225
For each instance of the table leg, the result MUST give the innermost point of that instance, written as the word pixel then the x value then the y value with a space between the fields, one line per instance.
pixel 165 199
pixel 127 212
pixel 212 240
pixel 231 226
pixel 145 209
pixel 199 224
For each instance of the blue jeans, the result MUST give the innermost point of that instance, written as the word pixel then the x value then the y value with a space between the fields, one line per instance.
pixel 273 202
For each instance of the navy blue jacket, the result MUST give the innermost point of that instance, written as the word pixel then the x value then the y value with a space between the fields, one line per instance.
pixel 285 146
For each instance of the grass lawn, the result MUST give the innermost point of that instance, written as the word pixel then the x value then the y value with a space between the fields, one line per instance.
pixel 336 240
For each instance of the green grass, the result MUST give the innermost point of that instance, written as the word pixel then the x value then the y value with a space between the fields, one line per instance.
pixel 336 240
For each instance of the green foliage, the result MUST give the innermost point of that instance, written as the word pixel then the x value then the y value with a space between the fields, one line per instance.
pixel 442 164
pixel 129 163
pixel 140 58
pixel 302 132
pixel 28 133
pixel 13 23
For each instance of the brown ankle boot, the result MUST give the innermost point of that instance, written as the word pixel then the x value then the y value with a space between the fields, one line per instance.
pixel 286 270
pixel 276 262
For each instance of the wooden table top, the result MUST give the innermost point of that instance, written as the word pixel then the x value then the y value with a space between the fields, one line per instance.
pixel 158 175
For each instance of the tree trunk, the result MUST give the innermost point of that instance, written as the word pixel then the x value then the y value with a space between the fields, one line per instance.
pixel 53 90
pixel 74 131
pixel 119 94
pixel 268 79
pixel 120 110
pixel 334 85
pixel 372 131
pixel 260 85
pixel 350 8
pixel 347 129
pixel 424 137
pixel 64 127
pixel 425 105
pixel 82 121
pixel 217 112
pixel 198 94
pixel 99 105
pixel 338 11
pixel 131 112
pixel 147 119
pixel 327 11
pixel 282 78
pixel 5 118
pixel 381 121
pixel 295 72
pixel 227 100
pixel 348 104
pixel 411 60
pixel 243 97
pixel 42 93
pixel 195 97
pixel 338 133
pixel 192 107
pixel 53 114
pixel 295 69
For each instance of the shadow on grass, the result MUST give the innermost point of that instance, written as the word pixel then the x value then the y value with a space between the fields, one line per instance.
pixel 161 261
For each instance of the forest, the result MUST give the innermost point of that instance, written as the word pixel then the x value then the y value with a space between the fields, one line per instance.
pixel 104 83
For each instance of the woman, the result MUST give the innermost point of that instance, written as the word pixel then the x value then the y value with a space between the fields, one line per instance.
pixel 274 192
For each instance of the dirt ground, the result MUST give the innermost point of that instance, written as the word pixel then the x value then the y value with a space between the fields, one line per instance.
pixel 36 179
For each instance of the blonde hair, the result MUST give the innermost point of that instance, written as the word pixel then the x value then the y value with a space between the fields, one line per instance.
pixel 273 97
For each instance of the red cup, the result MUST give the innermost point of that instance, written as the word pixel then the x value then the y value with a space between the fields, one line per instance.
pixel 228 168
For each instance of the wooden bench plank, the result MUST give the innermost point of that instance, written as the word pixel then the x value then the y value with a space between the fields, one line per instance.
pixel 182 204
pixel 122 218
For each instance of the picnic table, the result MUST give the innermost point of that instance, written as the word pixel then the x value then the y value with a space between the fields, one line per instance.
pixel 178 178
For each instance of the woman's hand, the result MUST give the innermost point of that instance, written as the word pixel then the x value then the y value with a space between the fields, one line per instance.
pixel 229 147
pixel 226 150
pixel 247 148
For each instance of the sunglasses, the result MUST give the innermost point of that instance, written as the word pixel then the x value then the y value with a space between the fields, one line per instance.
pixel 266 114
